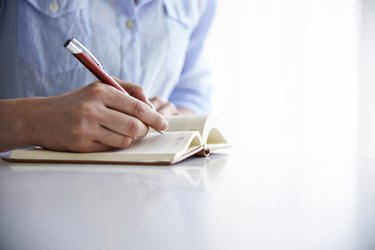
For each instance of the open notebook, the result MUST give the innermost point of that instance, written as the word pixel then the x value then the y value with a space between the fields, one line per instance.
pixel 185 136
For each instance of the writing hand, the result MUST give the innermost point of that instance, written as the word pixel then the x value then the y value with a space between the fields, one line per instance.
pixel 96 117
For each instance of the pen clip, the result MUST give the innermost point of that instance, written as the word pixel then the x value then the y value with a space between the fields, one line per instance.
pixel 77 43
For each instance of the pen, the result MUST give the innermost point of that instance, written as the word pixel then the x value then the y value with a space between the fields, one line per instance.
pixel 92 64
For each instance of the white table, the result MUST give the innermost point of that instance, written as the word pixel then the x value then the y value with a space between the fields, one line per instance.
pixel 231 200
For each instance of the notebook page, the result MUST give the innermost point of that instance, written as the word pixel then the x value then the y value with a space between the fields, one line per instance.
pixel 187 123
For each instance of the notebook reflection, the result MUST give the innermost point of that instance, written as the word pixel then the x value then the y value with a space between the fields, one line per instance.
pixel 116 205
pixel 194 172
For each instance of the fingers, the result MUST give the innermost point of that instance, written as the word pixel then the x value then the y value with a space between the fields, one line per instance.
pixel 96 117
pixel 94 147
pixel 163 107
pixel 99 138
pixel 157 102
pixel 134 107
pixel 82 144
pixel 135 91
pixel 123 124
pixel 112 139
pixel 168 109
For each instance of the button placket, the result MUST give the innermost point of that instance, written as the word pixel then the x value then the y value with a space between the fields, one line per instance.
pixel 130 47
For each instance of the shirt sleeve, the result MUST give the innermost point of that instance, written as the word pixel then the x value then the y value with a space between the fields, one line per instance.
pixel 193 89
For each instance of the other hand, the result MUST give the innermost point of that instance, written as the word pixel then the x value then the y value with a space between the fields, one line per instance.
pixel 167 108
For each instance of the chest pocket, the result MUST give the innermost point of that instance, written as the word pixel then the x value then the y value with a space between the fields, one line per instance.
pixel 184 12
pixel 181 17
pixel 43 26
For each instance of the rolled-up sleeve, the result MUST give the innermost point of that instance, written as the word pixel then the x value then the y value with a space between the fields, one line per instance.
pixel 193 89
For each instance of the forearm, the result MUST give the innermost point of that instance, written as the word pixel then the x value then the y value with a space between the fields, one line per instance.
pixel 197 100
pixel 193 90
pixel 16 118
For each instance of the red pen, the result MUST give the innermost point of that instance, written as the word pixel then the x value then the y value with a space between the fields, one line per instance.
pixel 91 63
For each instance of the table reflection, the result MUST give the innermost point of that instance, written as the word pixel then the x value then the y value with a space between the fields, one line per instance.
pixel 106 207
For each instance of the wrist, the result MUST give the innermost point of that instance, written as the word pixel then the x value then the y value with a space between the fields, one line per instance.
pixel 18 120
pixel 31 124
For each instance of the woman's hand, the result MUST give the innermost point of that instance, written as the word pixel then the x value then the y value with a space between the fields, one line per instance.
pixel 96 117
pixel 167 108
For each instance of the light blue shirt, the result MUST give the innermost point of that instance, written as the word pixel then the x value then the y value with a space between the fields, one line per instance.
pixel 155 43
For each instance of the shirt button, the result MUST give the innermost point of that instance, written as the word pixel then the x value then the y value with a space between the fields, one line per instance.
pixel 54 6
pixel 130 24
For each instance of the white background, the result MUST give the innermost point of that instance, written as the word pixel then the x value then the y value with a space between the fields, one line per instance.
pixel 294 88
pixel 286 73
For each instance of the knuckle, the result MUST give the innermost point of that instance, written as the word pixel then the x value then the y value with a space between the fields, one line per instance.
pixel 144 132
pixel 78 132
pixel 138 89
pixel 157 98
pixel 86 112
pixel 158 101
pixel 137 129
pixel 133 127
pixel 134 89
pixel 139 108
pixel 126 141
pixel 97 90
